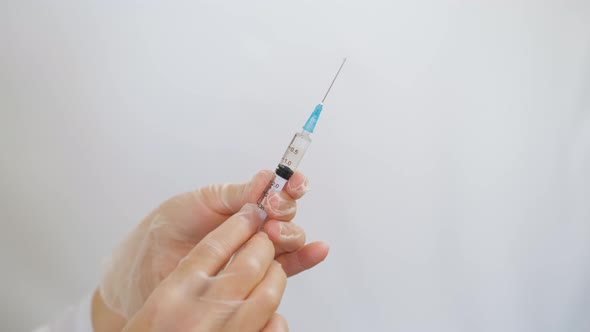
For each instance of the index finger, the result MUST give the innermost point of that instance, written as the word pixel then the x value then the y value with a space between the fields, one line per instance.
pixel 213 252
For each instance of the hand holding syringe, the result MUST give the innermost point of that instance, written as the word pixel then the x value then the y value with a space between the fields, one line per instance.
pixel 295 151
pixel 192 272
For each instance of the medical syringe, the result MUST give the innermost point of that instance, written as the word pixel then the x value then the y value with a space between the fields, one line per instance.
pixel 295 151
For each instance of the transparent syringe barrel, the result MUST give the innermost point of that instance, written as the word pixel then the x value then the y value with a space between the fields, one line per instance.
pixel 297 148
pixel 291 159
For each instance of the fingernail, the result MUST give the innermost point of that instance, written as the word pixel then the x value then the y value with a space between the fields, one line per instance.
pixel 251 212
pixel 302 188
pixel 279 205
pixel 288 230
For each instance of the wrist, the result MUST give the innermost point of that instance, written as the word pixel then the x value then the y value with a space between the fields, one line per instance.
pixel 103 318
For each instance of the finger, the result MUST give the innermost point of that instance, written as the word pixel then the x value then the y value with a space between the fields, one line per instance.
pixel 261 304
pixel 222 200
pixel 245 271
pixel 277 323
pixel 214 251
pixel 297 185
pixel 279 205
pixel 286 236
pixel 304 258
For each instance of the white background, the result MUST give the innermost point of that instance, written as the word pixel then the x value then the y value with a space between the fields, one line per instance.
pixel 449 172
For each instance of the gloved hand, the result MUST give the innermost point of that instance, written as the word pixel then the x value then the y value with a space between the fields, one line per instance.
pixel 152 251
pixel 202 295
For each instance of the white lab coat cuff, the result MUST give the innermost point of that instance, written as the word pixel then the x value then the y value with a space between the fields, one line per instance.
pixel 74 319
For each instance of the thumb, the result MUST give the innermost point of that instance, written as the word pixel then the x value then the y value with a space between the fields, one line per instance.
pixel 227 199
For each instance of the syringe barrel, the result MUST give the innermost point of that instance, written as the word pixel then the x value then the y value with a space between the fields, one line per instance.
pixel 287 166
pixel 297 148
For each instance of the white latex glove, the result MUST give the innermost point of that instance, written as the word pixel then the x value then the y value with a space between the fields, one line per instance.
pixel 202 295
pixel 152 251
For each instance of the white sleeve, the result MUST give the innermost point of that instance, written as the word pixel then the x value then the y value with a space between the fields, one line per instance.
pixel 74 319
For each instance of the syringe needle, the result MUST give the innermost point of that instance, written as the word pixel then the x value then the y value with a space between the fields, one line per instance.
pixel 335 77
pixel 294 153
